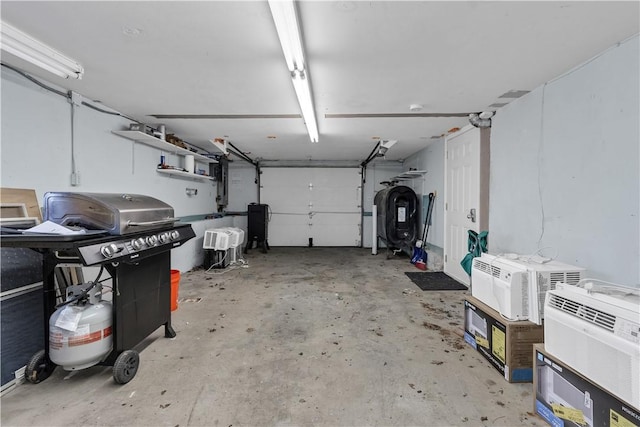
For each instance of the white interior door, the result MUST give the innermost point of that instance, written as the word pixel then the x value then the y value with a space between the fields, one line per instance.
pixel 322 204
pixel 466 194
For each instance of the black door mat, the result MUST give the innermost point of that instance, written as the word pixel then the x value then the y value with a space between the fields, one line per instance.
pixel 434 281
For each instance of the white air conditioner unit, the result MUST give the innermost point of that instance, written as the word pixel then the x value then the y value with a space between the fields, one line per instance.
pixel 236 239
pixel 515 285
pixel 502 285
pixel 236 236
pixel 217 239
pixel 595 329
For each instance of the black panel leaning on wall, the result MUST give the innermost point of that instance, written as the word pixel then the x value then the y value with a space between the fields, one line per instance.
pixel 22 333
pixel 20 267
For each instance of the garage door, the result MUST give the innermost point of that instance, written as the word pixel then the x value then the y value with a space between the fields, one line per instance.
pixel 322 204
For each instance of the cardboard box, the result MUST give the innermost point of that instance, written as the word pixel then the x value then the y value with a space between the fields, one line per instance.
pixel 507 345
pixel 563 397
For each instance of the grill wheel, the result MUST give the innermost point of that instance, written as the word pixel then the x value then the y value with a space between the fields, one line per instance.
pixel 126 366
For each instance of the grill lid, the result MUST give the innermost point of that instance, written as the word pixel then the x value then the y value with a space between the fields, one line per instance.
pixel 113 212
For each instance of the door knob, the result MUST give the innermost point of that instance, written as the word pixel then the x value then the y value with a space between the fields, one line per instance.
pixel 472 215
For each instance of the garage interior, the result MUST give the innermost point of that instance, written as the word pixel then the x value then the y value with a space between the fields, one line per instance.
pixel 521 119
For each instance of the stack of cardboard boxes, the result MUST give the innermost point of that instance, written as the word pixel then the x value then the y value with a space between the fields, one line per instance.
pixel 588 371
pixel 562 395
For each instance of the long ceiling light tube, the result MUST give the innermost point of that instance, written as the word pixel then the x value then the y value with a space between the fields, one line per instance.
pixel 37 53
pixel 303 91
pixel 286 20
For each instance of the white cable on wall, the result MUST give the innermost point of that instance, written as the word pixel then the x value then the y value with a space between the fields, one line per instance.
pixel 539 162
pixel 74 172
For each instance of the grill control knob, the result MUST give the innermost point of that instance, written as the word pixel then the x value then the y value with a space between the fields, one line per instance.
pixel 137 244
pixel 175 235
pixel 164 238
pixel 110 250
pixel 152 240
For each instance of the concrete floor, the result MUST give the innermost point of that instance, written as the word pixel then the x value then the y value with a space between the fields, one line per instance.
pixel 302 336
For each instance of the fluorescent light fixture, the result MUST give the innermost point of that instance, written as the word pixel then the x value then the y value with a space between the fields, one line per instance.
pixel 303 91
pixel 37 53
pixel 286 19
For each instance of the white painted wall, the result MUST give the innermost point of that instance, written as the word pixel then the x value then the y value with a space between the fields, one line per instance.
pixel 242 186
pixel 36 153
pixel 565 166
pixel 565 169
pixel 430 159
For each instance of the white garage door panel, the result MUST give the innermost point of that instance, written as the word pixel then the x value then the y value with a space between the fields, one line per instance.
pixel 318 203
pixel 339 191
pixel 345 230
pixel 277 188
pixel 289 230
pixel 336 199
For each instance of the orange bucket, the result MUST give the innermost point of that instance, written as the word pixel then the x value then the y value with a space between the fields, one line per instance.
pixel 175 284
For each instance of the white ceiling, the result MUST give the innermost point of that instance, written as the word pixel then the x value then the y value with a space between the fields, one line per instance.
pixel 374 57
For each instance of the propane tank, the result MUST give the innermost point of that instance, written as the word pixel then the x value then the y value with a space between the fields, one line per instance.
pixel 80 331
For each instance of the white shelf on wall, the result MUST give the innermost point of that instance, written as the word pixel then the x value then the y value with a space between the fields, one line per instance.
pixel 185 175
pixel 152 141
pixel 404 176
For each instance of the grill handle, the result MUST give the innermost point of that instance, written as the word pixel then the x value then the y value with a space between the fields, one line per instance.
pixel 149 223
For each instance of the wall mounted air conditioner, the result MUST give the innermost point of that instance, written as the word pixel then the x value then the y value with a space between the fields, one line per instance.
pixel 556 390
pixel 594 328
pixel 217 239
pixel 515 285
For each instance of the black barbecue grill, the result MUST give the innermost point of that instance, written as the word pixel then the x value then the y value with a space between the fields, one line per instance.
pixel 131 236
